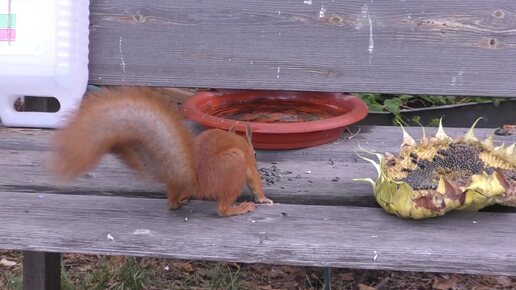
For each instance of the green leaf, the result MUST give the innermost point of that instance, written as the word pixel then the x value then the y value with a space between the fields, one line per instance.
pixel 405 97
pixel 434 122
pixel 376 108
pixel 416 120
pixel 393 105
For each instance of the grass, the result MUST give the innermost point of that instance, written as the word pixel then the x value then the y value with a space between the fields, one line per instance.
pixel 103 272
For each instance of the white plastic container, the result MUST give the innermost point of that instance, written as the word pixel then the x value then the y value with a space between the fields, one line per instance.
pixel 43 53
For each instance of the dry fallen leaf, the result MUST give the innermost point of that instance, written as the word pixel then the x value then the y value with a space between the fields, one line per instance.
pixel 481 288
pixel 187 267
pixel 287 285
pixel 504 280
pixel 118 259
pixel 84 268
pixel 444 284
pixel 7 263
pixel 365 287
pixel 347 276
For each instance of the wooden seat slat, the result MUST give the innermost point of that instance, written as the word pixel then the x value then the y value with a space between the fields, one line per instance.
pixel 307 176
pixel 307 235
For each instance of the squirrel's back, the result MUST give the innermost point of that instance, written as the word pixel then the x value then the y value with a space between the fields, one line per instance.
pixel 137 124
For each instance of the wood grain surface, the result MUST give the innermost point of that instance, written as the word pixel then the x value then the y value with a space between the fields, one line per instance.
pixel 326 236
pixel 319 175
pixel 457 47
pixel 315 221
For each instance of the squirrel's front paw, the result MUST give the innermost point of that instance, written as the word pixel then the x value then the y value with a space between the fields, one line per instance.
pixel 264 200
pixel 184 201
pixel 176 204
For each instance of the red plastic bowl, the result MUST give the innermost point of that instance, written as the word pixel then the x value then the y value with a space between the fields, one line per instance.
pixel 279 119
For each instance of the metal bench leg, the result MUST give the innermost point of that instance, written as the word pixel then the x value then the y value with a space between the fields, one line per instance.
pixel 41 271
pixel 327 278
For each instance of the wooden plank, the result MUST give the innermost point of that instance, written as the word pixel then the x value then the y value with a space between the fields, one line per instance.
pixel 380 138
pixel 457 47
pixel 23 157
pixel 41 271
pixel 325 236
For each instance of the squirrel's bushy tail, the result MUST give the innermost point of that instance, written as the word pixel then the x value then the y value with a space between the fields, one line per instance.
pixel 137 124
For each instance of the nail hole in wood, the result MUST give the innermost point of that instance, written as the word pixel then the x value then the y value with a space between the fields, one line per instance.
pixel 336 20
pixel 139 18
pixel 498 14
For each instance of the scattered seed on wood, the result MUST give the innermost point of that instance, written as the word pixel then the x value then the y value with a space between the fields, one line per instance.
pixel 298 176
pixel 330 162
pixel 282 187
pixel 335 179
pixel 308 171
pixel 310 181
pixel 284 214
pixel 270 175
pixel 289 179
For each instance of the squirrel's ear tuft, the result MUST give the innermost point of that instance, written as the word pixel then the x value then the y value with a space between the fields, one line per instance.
pixel 249 133
pixel 232 128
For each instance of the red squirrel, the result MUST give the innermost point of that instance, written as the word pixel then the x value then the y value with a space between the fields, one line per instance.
pixel 144 130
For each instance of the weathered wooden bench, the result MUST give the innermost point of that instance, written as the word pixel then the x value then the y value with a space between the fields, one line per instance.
pixel 321 218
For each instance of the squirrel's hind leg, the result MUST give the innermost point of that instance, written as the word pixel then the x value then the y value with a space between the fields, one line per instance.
pixel 228 209
pixel 254 182
pixel 176 197
pixel 227 197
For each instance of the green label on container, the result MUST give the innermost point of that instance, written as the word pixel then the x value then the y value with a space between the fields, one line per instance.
pixel 7 20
